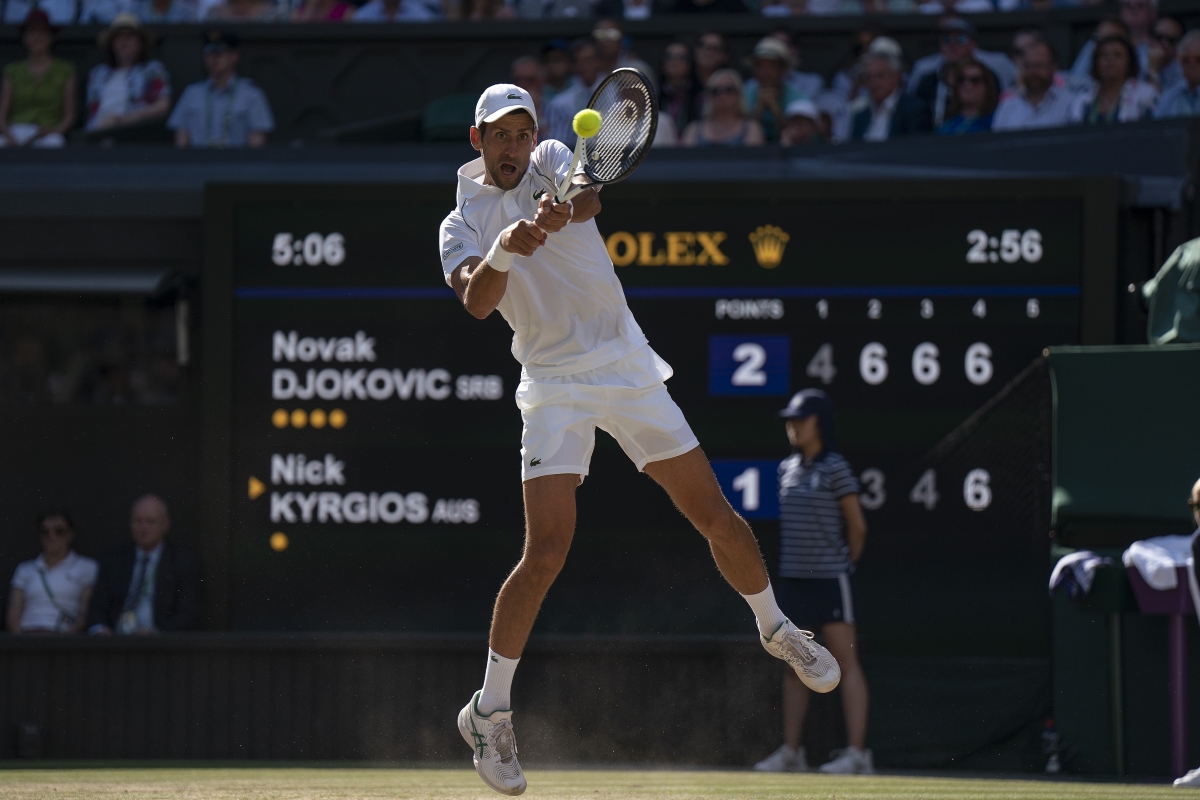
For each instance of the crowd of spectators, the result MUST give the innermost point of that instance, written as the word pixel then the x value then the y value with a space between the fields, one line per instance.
pixel 37 94
pixel 1136 66
pixel 149 585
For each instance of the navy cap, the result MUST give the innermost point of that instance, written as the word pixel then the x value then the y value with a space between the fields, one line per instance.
pixel 218 41
pixel 806 403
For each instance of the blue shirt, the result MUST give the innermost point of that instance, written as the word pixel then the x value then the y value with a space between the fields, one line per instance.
pixel 1180 100
pixel 222 118
pixel 812 529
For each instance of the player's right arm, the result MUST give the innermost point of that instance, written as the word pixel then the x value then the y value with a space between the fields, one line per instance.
pixel 479 286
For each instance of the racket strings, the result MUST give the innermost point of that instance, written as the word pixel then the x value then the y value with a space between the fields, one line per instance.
pixel 627 107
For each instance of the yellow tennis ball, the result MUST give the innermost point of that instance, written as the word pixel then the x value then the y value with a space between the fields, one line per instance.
pixel 587 123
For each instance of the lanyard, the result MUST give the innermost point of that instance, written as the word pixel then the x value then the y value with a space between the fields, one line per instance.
pixel 225 120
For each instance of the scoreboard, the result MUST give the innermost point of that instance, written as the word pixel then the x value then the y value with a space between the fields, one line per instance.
pixel 372 469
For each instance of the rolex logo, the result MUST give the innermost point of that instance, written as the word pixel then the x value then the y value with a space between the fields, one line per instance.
pixel 768 242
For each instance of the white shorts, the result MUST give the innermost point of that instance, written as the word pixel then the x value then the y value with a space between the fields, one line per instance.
pixel 626 399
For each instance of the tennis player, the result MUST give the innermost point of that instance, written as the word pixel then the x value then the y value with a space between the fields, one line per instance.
pixel 585 365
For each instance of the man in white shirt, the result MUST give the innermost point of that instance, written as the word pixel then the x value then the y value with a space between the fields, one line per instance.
pixel 50 593
pixel 508 246
pixel 1038 103
pixel 1183 99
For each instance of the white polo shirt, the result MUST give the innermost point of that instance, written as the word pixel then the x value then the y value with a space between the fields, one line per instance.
pixel 564 303
pixel 43 611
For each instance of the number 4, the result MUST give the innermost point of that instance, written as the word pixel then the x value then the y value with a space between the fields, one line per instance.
pixel 925 492
pixel 821 366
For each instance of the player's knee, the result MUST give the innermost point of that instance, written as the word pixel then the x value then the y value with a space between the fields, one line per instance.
pixel 716 520
pixel 544 562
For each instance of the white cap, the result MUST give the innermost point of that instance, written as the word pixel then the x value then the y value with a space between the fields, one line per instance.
pixel 501 99
pixel 803 108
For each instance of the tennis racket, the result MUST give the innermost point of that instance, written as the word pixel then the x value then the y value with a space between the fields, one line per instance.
pixel 629 118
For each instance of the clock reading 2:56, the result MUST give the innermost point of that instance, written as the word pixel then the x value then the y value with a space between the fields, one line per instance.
pixel 314 249
pixel 1010 247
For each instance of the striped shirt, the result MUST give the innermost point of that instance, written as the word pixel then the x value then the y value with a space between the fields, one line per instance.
pixel 812 529
pixel 1016 113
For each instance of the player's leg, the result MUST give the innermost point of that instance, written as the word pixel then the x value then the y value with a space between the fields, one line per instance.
pixel 549 529
pixel 790 757
pixel 486 722
pixel 841 639
pixel 690 482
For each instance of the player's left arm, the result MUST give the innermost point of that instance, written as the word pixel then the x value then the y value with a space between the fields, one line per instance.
pixel 856 525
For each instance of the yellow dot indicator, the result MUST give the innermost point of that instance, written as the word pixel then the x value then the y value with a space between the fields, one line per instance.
pixel 280 418
pixel 279 541
pixel 337 418
pixel 317 418
pixel 299 418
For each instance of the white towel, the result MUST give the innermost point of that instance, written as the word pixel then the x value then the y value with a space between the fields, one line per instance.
pixel 1156 559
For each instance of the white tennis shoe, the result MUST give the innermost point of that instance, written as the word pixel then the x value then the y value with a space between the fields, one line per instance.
pixel 495 747
pixel 850 761
pixel 816 667
pixel 785 759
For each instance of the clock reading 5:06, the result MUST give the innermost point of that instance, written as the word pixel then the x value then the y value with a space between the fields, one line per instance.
pixel 1010 247
pixel 314 249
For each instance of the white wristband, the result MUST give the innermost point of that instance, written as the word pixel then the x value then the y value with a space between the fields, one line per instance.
pixel 498 258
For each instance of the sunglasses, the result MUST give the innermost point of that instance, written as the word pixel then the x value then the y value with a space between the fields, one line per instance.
pixel 1172 40
pixel 55 530
pixel 1189 59
pixel 719 90
pixel 954 38
pixel 606 34
pixel 971 79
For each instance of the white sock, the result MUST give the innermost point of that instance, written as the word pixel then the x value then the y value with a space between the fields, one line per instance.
pixel 497 683
pixel 766 610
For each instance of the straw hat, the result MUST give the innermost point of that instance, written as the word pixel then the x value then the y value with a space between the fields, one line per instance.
pixel 125 21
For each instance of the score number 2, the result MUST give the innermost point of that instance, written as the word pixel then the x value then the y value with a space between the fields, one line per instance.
pixel 1011 247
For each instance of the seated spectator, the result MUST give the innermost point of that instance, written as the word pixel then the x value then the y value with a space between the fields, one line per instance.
pixel 58 12
pixel 633 9
pixel 613 50
pixel 167 11
pixel 807 84
pixel 847 81
pixel 783 8
pixel 836 119
pixel 50 594
pixel 956 7
pixel 710 55
pixel 127 87
pixel 802 125
pixel 1118 95
pixel 1039 102
pixel 526 72
pixel 563 108
pixel 1162 66
pixel 397 11
pixel 956 40
pixel 37 96
pixel 679 97
pixel 323 11
pixel 245 11
pixel 151 586
pixel 226 110
pixel 974 101
pixel 1183 99
pixel 886 112
pixel 766 93
pixel 1080 73
pixel 556 69
pixel 725 119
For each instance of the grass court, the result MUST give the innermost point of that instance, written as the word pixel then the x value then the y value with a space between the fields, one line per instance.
pixel 550 784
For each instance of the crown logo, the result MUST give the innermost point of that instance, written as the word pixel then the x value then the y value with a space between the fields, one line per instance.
pixel 768 242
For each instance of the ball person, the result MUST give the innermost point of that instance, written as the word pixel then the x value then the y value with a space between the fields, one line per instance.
pixel 822 532
pixel 585 364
